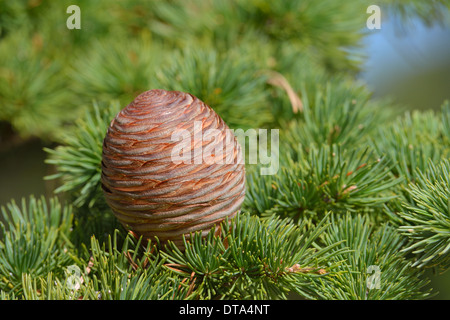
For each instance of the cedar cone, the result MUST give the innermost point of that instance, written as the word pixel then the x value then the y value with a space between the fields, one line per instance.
pixel 151 190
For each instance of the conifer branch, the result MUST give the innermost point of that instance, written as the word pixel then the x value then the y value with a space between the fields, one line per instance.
pixel 358 209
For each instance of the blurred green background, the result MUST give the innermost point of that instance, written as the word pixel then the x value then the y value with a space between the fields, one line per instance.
pixel 48 73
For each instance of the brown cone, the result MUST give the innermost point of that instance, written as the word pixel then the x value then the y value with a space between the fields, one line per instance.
pixel 154 193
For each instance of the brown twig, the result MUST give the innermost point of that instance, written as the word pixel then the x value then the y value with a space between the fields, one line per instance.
pixel 277 79
pixel 297 269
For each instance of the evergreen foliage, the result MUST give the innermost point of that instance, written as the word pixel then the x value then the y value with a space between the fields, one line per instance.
pixel 359 208
pixel 227 80
pixel 427 216
pixel 377 247
pixel 79 158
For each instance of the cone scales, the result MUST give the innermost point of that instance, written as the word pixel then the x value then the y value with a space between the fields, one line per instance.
pixel 155 191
